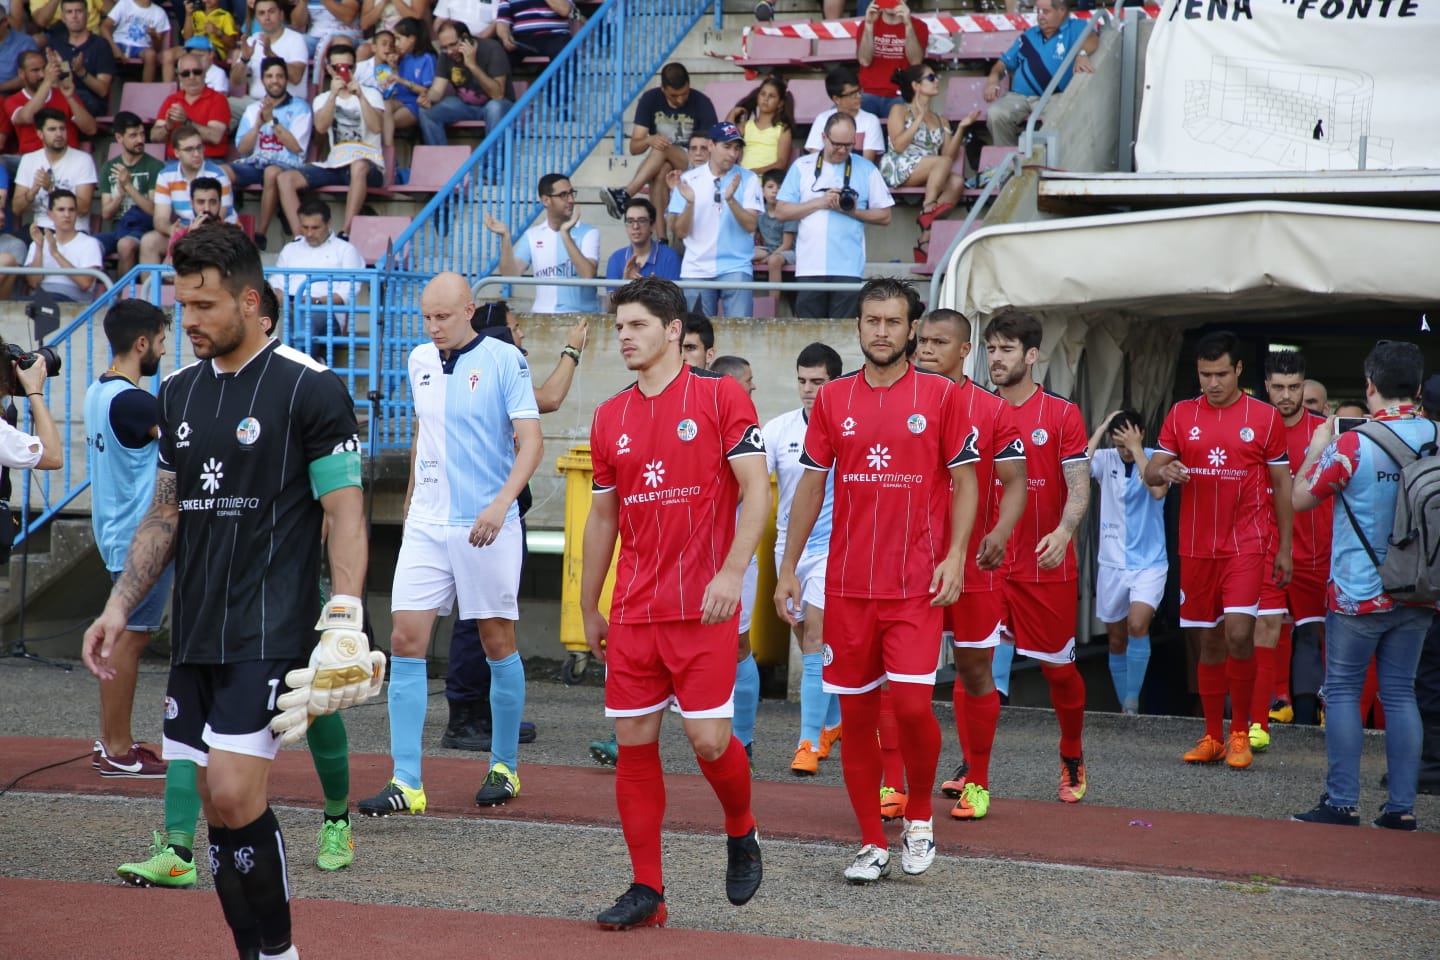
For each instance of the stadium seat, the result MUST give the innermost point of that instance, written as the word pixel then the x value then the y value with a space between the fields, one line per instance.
pixel 763 50
pixel 835 51
pixel 990 158
pixel 144 99
pixel 964 94
pixel 941 234
pixel 724 94
pixel 432 167
pixel 371 235
pixel 810 99
pixel 984 46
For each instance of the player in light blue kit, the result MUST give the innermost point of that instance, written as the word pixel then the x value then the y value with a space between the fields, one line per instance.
pixel 1133 563
pixel 784 441
pixel 477 443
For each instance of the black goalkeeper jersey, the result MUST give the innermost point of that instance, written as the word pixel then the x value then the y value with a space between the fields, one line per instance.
pixel 247 554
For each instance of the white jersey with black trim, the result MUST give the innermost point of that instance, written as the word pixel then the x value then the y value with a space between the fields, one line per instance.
pixel 784 442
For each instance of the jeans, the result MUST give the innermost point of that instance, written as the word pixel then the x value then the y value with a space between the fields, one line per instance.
pixel 1394 639
pixel 738 303
pixel 880 106
pixel 825 304
pixel 454 110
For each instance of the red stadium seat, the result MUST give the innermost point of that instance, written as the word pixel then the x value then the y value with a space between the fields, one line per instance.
pixel 984 46
pixel 371 235
pixel 810 98
pixel 432 167
pixel 964 94
pixel 724 94
pixel 144 99
pixel 763 50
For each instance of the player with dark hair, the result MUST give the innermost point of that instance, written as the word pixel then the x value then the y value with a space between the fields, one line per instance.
pixel 673 454
pixel 974 622
pixel 258 448
pixel 1042 591
pixel 1221 447
pixel 903 450
pixel 698 345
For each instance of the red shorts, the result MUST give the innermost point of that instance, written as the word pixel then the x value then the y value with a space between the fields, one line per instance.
pixel 1303 597
pixel 648 663
pixel 1213 587
pixel 1042 617
pixel 976 619
pixel 870 641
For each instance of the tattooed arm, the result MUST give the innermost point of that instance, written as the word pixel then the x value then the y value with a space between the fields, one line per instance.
pixel 151 550
pixel 1051 548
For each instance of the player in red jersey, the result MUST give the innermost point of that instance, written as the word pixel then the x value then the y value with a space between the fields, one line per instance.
pixel 1220 446
pixel 1304 596
pixel 904 503
pixel 673 454
pixel 974 622
pixel 1042 592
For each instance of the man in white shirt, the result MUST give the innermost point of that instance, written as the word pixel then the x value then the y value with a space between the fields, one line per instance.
pixel 558 246
pixel 273 40
pixel 717 208
pixel 353 118
pixel 61 247
pixel 830 244
pixel 844 90
pixel 317 248
pixel 55 166
pixel 478 15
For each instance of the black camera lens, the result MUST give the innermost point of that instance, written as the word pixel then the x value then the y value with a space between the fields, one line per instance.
pixel 25 359
pixel 848 197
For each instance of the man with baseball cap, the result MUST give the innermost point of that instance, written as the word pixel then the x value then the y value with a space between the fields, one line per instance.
pixel 718 206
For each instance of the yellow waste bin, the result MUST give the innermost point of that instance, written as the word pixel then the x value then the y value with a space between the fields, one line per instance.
pixel 769 635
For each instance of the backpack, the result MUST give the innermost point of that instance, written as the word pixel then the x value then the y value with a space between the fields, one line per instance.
pixel 1410 572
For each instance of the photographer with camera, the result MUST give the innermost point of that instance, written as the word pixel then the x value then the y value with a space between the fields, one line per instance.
pixel 835 195
pixel 25 373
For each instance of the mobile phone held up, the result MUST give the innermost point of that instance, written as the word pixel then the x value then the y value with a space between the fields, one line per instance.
pixel 342 70
pixel 1346 424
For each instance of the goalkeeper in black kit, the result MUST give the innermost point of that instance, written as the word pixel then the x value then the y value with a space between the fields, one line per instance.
pixel 258 448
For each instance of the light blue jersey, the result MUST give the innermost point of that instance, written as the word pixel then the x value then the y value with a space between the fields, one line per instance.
pixel 121 465
pixel 830 243
pixel 465 443
pixel 784 442
pixel 1132 523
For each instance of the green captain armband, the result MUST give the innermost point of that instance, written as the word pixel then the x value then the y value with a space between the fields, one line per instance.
pixel 335 470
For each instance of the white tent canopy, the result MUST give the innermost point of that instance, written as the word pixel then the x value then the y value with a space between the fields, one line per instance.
pixel 1100 284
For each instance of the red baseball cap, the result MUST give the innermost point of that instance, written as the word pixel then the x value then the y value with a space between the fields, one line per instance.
pixel 887 4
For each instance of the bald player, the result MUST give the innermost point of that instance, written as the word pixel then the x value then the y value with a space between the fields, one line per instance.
pixel 1316 398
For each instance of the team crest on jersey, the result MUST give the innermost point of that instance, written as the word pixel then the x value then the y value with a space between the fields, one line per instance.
pixel 248 431
pixel 686 430
pixel 1039 436
pixel 172 709
pixel 1246 434
pixel 182 434
pixel 1194 433
pixel 916 423
pixel 474 381
pixel 827 655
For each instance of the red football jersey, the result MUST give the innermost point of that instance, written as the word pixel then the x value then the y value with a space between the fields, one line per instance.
pixel 996 440
pixel 1225 510
pixel 892 449
pixel 1053 433
pixel 666 458
pixel 1310 545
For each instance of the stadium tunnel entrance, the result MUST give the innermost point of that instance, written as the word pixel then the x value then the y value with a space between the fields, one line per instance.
pixel 1123 297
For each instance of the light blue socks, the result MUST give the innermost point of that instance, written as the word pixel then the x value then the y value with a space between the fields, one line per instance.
pixel 407 717
pixel 507 702
pixel 747 699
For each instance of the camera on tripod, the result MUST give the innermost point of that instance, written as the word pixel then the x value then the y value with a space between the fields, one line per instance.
pixel 25 359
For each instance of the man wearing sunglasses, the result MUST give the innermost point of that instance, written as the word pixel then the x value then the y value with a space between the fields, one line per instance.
pixel 196 104
pixel 717 208
pixel 557 246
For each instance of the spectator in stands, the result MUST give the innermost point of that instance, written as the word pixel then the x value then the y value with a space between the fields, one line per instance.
pixel 478 16
pixel 127 192
pixel 559 245
pixel 61 247
pixel 210 22
pixel 354 117
pixel 55 166
pixel 375 71
pixel 217 77
pixel 134 29
pixel 642 256
pixel 924 148
pixel 386 13
pixel 766 118
pixel 775 241
pixel 274 39
pixel 1031 61
pixel 49 85
pixel 416 85
pixel 12 248
pixel 173 202
pixel 13 44
pixel 843 88
pixel 86 56
pixel 533 28
pixel 479 81
pixel 319 249
pixel 717 209
pixel 195 104
pixel 664 120
pixel 891 40
pixel 319 20
pixel 274 136
pixel 834 195
pixel 205 206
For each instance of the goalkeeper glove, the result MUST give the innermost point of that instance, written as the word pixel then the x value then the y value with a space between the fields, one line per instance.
pixel 343 671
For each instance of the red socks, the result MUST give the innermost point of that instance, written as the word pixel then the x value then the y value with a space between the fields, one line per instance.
pixel 962 719
pixel 915 713
pixel 1067 696
pixel 1265 658
pixel 640 795
pixel 1241 674
pixel 860 763
pixel 891 760
pixel 982 715
pixel 1210 681
pixel 729 777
